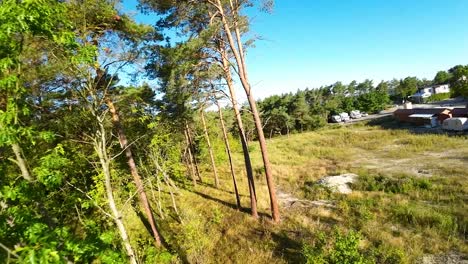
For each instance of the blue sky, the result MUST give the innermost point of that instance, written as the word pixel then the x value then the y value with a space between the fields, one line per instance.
pixel 309 43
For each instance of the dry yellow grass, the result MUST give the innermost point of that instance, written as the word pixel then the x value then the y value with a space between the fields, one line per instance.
pixel 213 231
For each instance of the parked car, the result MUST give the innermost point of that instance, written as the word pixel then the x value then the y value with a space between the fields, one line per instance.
pixel 344 117
pixel 364 114
pixel 355 114
pixel 336 119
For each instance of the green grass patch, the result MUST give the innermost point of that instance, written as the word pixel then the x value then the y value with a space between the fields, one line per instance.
pixel 423 216
pixel 396 184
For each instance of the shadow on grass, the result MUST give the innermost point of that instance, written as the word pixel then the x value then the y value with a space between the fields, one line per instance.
pixel 287 248
pixel 170 248
pixel 210 185
pixel 147 225
pixel 227 204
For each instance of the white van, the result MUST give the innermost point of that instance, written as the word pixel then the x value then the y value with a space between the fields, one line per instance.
pixel 355 114
pixel 336 119
pixel 344 117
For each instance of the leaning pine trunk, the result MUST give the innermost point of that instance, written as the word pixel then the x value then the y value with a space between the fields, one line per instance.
pixel 240 126
pixel 266 161
pixel 100 146
pixel 237 49
pixel 133 170
pixel 228 151
pixel 210 149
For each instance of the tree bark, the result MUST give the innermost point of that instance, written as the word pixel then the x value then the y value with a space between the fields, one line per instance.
pixel 134 171
pixel 237 49
pixel 210 149
pixel 191 146
pixel 21 162
pixel 228 151
pixel 190 160
pixel 240 127
pixel 266 161
pixel 100 146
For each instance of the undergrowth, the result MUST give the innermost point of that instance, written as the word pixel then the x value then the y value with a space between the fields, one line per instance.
pixel 392 216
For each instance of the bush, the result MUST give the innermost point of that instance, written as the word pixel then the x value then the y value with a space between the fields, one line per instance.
pixel 342 248
pixel 317 122
pixel 437 97
pixel 385 254
pixel 404 184
pixel 357 211
pixel 313 191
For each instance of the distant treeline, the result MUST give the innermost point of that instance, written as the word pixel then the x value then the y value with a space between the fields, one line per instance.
pixel 311 108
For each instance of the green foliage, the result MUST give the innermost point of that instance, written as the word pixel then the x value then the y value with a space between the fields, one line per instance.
pixel 153 255
pixel 313 191
pixel 403 184
pixel 56 57
pixel 193 239
pixel 437 97
pixel 459 80
pixel 52 168
pixel 217 216
pixel 53 218
pixel 359 211
pixel 407 87
pixel 442 77
pixel 387 254
pixel 339 248
pixel 166 148
pixel 373 102
pixel 310 109
pixel 301 112
pixel 343 247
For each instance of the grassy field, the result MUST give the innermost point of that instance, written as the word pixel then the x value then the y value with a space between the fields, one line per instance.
pixel 410 201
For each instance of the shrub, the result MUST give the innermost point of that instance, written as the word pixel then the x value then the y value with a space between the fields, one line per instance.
pixel 313 191
pixel 385 254
pixel 317 122
pixel 437 97
pixel 341 248
pixel 403 184
pixel 357 211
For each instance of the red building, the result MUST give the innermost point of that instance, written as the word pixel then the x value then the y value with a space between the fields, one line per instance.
pixel 422 116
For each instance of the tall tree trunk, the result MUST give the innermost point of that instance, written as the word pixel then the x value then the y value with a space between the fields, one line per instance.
pixel 266 161
pixel 236 47
pixel 192 146
pixel 20 161
pixel 134 171
pixel 100 146
pixel 240 127
pixel 228 151
pixel 190 159
pixel 210 149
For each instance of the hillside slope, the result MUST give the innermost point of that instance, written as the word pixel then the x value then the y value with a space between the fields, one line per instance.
pixel 410 200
